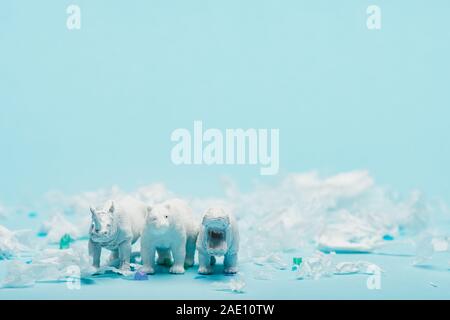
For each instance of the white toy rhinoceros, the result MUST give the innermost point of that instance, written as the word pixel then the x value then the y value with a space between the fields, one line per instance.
pixel 115 227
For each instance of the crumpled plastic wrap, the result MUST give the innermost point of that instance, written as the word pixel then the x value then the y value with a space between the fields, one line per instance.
pixel 354 267
pixel 316 266
pixel 47 265
pixel 345 212
pixel 58 226
pixel 13 243
pixel 427 245
pixel 350 234
pixel 272 259
pixel 320 265
pixel 79 204
pixel 235 285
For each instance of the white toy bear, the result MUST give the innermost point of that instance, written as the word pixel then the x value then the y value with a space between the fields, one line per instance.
pixel 116 227
pixel 219 236
pixel 170 232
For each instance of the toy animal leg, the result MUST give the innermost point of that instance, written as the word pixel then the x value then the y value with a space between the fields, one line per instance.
pixel 125 255
pixel 113 260
pixel 179 255
pixel 148 258
pixel 204 263
pixel 230 263
pixel 96 251
pixel 190 252
pixel 164 257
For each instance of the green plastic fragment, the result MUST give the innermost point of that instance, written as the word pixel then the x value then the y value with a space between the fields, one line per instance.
pixel 297 261
pixel 64 242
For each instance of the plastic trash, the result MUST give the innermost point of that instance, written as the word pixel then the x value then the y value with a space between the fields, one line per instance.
pixel 13 243
pixel 424 249
pixel 296 262
pixel 440 244
pixel 316 266
pixel 108 269
pixel 139 275
pixel 48 265
pixel 349 233
pixel 55 228
pixel 64 242
pixel 354 267
pixel 235 285
pixel 18 275
pixel 272 259
pixel 32 214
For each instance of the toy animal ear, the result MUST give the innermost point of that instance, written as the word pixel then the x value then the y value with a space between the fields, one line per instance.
pixel 111 208
pixel 94 218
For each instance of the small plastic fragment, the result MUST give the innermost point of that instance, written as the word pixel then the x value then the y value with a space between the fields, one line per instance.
pixel 139 276
pixel 48 265
pixel 424 250
pixel 440 244
pixel 296 262
pixel 235 285
pixel 273 259
pixel 32 214
pixel 109 269
pixel 64 242
pixel 353 267
pixel 388 237
pixel 57 227
pixel 317 266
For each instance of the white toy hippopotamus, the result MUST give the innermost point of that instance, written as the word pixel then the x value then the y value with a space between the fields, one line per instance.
pixel 170 232
pixel 116 226
pixel 218 236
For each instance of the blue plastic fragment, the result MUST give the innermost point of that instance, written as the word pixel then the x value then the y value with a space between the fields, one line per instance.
pixel 32 214
pixel 139 275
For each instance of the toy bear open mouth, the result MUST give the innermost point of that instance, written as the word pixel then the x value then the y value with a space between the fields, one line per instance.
pixel 216 241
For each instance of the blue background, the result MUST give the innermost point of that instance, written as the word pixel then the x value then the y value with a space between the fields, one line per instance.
pixel 93 107
pixel 85 109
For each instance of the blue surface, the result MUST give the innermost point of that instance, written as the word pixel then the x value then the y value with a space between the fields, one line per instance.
pixel 83 110
pixel 399 280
